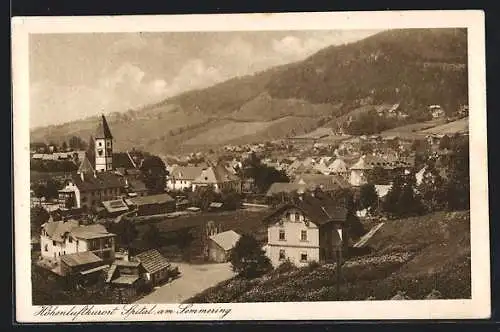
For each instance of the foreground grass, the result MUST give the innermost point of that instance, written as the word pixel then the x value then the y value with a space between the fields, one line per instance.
pixel 415 256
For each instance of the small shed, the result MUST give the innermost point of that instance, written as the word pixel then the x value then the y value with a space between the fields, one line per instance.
pixel 127 276
pixel 157 268
pixel 82 267
pixel 221 244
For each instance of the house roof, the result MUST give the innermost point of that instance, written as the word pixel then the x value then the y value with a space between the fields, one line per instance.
pixel 136 184
pixel 320 210
pixel 80 258
pixel 95 269
pixel 152 199
pixel 125 280
pixel 217 174
pixel 283 187
pixel 327 182
pixel 126 263
pixel 185 172
pixel 103 130
pixel 85 166
pixel 122 160
pixel 152 261
pixel 226 240
pixel 116 205
pixel 56 230
pixel 101 180
pixel 337 166
pixel 90 232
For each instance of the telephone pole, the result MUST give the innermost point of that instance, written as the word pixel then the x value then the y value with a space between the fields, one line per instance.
pixel 339 269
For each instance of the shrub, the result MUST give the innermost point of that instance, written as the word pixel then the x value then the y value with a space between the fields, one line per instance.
pixel 248 259
pixel 313 265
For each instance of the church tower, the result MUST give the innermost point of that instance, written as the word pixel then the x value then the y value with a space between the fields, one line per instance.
pixel 103 147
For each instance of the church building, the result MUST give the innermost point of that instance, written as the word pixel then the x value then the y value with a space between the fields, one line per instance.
pixel 90 186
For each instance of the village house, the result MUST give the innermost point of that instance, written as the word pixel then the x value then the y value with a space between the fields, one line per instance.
pixel 436 111
pixel 60 238
pixel 153 204
pixel 219 178
pixel 86 188
pixel 182 177
pixel 221 244
pixel 312 228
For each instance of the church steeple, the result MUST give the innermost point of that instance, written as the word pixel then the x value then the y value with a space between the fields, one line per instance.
pixel 103 147
pixel 103 130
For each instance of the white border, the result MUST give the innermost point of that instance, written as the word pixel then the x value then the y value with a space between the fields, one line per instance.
pixel 477 307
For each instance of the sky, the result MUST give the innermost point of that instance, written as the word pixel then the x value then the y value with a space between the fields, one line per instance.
pixel 73 76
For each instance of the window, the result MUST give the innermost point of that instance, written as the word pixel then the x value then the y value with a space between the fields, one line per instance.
pixel 301 217
pixel 70 239
pixel 282 256
pixel 99 152
pixel 46 248
pixel 303 257
pixel 292 216
pixel 303 235
pixel 282 235
pixel 53 243
pixel 281 222
pixel 100 143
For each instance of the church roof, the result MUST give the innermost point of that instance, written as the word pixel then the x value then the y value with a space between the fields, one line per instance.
pixel 85 166
pixel 103 130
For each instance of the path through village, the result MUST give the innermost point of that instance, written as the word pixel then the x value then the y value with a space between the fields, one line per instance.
pixel 193 280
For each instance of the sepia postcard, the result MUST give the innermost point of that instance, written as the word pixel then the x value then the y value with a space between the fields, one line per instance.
pixel 291 166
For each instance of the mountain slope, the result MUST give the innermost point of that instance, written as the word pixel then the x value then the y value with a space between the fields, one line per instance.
pixel 414 67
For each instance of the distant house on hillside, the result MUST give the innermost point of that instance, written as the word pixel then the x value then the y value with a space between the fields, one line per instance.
pixel 436 111
pixel 219 178
pixel 182 177
pixel 309 229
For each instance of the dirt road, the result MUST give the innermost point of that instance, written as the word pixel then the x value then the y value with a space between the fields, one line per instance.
pixel 193 279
